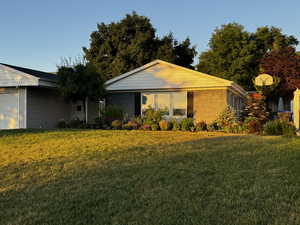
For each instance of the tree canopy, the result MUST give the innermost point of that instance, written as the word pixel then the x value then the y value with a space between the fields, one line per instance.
pixel 235 54
pixel 121 46
pixel 79 82
pixel 283 63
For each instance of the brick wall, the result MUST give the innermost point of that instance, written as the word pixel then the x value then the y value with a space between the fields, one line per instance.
pixel 208 104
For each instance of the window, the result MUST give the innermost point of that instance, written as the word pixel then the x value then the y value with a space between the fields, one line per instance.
pixel 78 108
pixel 170 103
pixel 179 101
pixel 163 103
pixel 147 101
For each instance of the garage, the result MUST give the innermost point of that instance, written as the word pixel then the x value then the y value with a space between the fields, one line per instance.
pixel 9 111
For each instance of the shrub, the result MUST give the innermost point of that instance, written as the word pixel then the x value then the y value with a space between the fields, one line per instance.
pixel 175 125
pixel 62 124
pixel 213 126
pixel 201 126
pixel 288 129
pixel 131 125
pixel 75 123
pixel 154 126
pixel 277 127
pixel 227 120
pixel 152 116
pixel 116 124
pixel 187 124
pixel 273 127
pixel 254 126
pixel 111 113
pixel 139 121
pixel 256 108
pixel 165 125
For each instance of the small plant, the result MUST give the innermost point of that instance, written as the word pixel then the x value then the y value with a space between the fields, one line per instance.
pixel 187 124
pixel 201 126
pixel 116 124
pixel 227 120
pixel 165 125
pixel 154 127
pixel 288 129
pixel 131 125
pixel 146 127
pixel 152 116
pixel 175 125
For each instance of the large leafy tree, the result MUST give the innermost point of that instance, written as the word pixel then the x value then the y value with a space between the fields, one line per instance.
pixel 80 82
pixel 235 54
pixel 283 63
pixel 121 46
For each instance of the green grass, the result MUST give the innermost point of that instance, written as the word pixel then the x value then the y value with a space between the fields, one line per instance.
pixel 135 177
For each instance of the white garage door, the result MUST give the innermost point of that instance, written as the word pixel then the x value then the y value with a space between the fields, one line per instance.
pixel 9 111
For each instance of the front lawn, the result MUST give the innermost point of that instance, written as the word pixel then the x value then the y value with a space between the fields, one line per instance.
pixel 139 177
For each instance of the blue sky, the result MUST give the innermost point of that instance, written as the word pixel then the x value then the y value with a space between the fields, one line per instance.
pixel 38 33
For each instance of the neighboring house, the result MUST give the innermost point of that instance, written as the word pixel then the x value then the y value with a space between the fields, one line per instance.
pixel 177 91
pixel 30 99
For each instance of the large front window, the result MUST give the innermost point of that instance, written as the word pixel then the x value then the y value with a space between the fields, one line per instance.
pixel 173 104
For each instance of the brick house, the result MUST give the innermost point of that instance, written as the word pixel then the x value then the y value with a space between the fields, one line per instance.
pixel 177 91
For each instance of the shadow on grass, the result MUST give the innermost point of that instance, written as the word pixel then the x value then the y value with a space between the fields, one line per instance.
pixel 216 180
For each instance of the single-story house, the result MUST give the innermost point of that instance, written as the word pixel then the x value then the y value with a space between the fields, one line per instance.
pixel 177 91
pixel 30 99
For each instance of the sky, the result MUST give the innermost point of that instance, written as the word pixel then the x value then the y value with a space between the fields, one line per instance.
pixel 38 33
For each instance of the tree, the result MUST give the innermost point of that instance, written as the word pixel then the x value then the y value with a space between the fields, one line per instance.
pixel 284 64
pixel 235 54
pixel 80 82
pixel 121 46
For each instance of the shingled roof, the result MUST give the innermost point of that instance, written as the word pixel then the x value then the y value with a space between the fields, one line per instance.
pixel 35 73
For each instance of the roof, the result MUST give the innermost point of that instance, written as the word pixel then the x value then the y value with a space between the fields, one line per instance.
pixel 35 73
pixel 159 75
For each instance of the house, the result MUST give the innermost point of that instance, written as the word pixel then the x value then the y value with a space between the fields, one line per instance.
pixel 30 99
pixel 177 91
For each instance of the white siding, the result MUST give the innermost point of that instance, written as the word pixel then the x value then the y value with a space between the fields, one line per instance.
pixel 166 76
pixel 13 78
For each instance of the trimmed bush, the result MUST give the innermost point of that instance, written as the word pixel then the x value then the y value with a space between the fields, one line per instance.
pixel 187 124
pixel 62 124
pixel 277 127
pixel 75 123
pixel 116 124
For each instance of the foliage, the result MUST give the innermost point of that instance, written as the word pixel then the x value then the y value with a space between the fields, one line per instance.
pixel 227 120
pixel 111 113
pixel 235 54
pixel 116 124
pixel 256 108
pixel 187 124
pixel 201 126
pixel 80 82
pixel 122 46
pixel 75 123
pixel 252 125
pixel 146 127
pixel 175 125
pixel 213 126
pixel 62 124
pixel 99 122
pixel 165 125
pixel 284 64
pixel 277 127
pixel 154 126
pixel 130 125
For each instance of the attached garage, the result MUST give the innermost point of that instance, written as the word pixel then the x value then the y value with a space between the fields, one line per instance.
pixel 24 99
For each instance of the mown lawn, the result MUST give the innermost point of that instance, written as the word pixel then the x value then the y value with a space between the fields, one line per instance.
pixel 141 178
